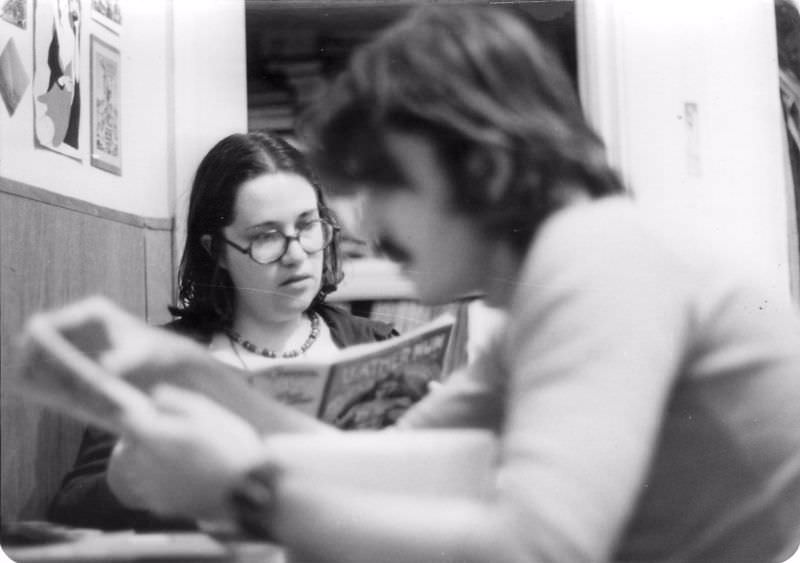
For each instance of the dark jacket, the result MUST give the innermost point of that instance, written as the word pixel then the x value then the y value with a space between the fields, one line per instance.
pixel 85 499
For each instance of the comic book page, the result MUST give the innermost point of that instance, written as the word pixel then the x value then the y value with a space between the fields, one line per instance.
pixel 70 382
pixel 298 384
pixel 55 373
pixel 365 386
pixel 373 390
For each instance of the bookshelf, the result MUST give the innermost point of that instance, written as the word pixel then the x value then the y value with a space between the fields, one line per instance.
pixel 294 46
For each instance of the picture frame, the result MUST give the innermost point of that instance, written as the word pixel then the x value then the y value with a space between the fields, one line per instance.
pixel 105 108
pixel 107 13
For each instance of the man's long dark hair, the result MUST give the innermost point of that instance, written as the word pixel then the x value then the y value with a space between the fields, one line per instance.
pixel 494 101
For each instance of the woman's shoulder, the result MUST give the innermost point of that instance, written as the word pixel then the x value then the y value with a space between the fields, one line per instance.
pixel 191 328
pixel 348 329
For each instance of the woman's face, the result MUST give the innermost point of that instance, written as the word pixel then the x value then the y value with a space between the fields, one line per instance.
pixel 277 291
pixel 442 252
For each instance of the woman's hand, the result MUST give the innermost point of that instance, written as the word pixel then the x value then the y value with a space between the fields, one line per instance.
pixel 187 460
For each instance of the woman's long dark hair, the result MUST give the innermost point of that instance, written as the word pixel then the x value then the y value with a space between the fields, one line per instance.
pixel 206 293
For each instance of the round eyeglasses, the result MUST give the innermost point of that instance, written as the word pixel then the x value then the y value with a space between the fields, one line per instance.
pixel 270 246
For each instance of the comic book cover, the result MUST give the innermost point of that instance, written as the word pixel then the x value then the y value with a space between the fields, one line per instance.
pixel 365 386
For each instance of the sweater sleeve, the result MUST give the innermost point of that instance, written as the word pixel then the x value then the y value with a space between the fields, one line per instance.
pixel 592 355
pixel 85 499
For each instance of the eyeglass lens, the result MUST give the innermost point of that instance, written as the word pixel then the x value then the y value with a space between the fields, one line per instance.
pixel 312 236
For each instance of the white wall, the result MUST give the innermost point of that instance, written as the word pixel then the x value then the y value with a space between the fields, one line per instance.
pixel 647 67
pixel 183 87
pixel 210 88
pixel 142 189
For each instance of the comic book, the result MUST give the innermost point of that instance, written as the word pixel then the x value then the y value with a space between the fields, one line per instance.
pixel 368 385
pixel 67 380
pixel 363 386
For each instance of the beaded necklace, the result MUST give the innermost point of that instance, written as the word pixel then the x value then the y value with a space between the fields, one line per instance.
pixel 267 353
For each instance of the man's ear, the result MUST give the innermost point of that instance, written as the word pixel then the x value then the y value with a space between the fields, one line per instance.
pixel 207 243
pixel 493 168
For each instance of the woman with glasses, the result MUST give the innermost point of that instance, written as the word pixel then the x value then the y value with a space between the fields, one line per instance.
pixel 260 257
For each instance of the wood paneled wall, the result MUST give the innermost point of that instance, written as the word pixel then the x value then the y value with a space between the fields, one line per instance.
pixel 54 250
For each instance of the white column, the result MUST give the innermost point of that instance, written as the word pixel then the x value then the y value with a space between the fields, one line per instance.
pixel 209 88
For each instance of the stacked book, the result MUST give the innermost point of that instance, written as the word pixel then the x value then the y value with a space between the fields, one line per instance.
pixel 271 109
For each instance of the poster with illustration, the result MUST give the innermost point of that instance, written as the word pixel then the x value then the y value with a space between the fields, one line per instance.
pixel 104 103
pixel 13 78
pixel 56 75
pixel 16 12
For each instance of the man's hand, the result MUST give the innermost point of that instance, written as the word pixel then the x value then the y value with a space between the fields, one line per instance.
pixel 187 460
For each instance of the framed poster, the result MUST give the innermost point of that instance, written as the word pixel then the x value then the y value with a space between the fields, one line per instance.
pixel 105 106
pixel 107 13
pixel 57 76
